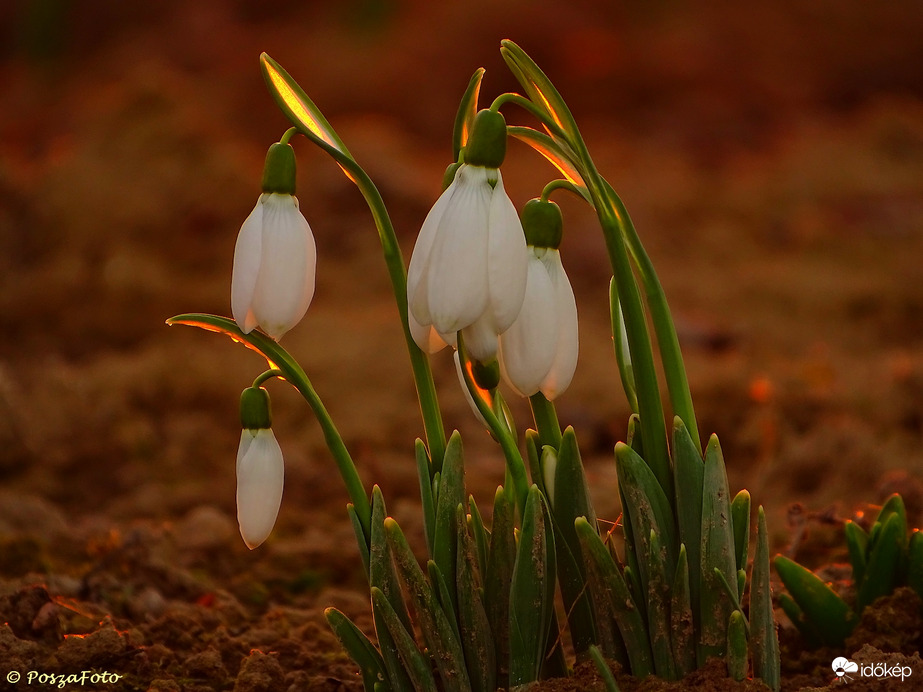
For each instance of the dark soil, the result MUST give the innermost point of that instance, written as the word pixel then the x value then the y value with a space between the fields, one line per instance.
pixel 771 155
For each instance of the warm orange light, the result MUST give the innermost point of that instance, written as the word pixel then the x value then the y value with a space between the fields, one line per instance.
pixel 548 108
pixel 760 390
pixel 483 394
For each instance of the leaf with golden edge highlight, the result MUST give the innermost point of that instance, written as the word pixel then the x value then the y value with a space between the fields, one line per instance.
pixel 299 108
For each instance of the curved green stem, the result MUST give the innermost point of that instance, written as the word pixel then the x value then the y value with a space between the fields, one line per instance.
pixel 653 428
pixel 526 104
pixel 620 341
pixel 305 116
pixel 289 133
pixel 337 448
pixel 515 466
pixel 559 184
pixel 422 374
pixel 334 441
pixel 546 420
pixel 284 366
pixel 266 376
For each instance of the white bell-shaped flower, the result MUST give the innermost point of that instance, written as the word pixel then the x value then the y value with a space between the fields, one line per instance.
pixel 274 266
pixel 468 268
pixel 260 475
pixel 539 351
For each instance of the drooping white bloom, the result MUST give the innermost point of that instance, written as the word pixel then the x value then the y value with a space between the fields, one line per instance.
pixel 468 268
pixel 539 351
pixel 260 475
pixel 274 266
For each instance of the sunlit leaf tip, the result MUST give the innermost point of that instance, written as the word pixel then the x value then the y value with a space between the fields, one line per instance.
pixel 296 104
pixel 467 109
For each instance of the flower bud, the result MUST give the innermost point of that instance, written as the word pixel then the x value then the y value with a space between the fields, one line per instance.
pixel 487 143
pixel 260 468
pixel 255 409
pixel 279 169
pixel 542 223
pixel 486 375
pixel 260 477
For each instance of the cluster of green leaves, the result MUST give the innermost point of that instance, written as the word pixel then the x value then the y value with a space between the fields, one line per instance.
pixel 882 559
pixel 484 604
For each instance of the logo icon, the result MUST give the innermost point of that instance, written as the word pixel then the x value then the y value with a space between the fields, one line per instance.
pixel 842 667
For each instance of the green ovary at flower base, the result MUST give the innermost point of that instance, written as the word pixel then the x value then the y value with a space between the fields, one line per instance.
pixel 260 469
pixel 468 269
pixel 275 256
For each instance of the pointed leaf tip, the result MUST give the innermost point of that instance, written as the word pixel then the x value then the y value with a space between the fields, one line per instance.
pixel 298 107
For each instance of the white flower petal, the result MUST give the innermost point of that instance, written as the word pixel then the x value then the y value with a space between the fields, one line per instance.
pixel 247 254
pixel 426 337
pixel 527 348
pixel 260 476
pixel 481 339
pixel 562 369
pixel 451 338
pixel 417 297
pixel 456 272
pixel 246 439
pixel 507 258
pixel 286 281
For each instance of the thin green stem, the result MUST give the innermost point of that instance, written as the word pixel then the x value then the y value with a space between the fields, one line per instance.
pixel 559 184
pixel 650 409
pixel 622 350
pixel 289 133
pixel 546 420
pixel 667 340
pixel 422 374
pixel 337 448
pixel 515 466
pixel 526 104
pixel 266 376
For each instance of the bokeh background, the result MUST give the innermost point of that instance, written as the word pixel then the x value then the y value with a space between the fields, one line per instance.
pixel 771 156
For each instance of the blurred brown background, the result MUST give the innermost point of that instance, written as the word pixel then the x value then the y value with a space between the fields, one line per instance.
pixel 771 155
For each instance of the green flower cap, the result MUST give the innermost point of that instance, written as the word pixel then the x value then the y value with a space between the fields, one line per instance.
pixel 255 411
pixel 486 375
pixel 279 170
pixel 542 223
pixel 487 143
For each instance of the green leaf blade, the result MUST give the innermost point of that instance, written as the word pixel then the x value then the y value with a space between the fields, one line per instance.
pixel 829 614
pixel 467 109
pixel 718 555
pixel 531 594
pixel 614 597
pixel 359 648
pixel 764 639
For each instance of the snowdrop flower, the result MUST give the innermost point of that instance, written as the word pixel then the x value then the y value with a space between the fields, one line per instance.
pixel 275 256
pixel 468 268
pixel 260 469
pixel 538 353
